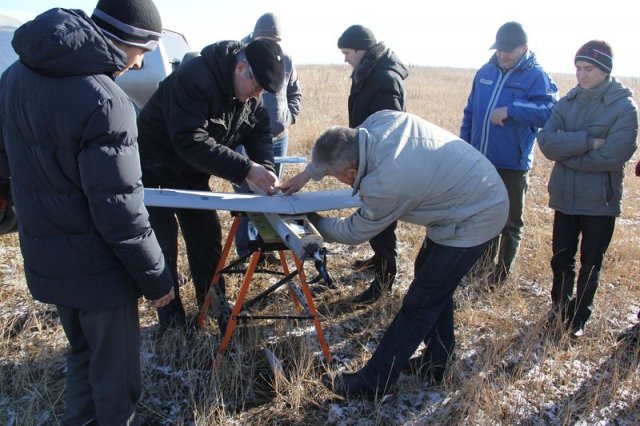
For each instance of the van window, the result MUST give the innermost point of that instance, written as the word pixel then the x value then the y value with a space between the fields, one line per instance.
pixel 175 45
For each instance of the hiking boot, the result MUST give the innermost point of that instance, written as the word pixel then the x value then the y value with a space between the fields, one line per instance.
pixel 370 295
pixel 350 385
pixel 375 290
pixel 364 264
pixel 385 276
pixel 576 329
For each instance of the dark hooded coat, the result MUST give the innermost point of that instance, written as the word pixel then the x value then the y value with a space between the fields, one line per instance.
pixel 192 124
pixel 377 84
pixel 68 144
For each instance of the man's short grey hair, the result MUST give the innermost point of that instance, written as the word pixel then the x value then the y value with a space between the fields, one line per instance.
pixel 336 150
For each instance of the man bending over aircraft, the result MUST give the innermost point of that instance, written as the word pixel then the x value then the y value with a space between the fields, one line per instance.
pixel 189 130
pixel 405 168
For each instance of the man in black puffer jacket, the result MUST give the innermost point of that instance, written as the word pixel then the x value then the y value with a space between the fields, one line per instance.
pixel 377 83
pixel 68 146
pixel 189 131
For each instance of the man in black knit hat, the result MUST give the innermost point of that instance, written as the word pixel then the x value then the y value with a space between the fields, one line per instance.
pixel 189 131
pixel 377 83
pixel 68 146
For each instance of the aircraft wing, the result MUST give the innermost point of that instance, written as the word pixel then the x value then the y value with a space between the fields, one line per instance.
pixel 300 203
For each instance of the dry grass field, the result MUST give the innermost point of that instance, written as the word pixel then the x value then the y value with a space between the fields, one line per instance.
pixel 509 368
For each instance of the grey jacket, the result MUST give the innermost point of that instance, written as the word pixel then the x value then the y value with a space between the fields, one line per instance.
pixel 283 107
pixel 584 180
pixel 414 171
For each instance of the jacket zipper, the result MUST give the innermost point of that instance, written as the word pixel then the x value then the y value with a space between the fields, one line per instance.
pixel 484 144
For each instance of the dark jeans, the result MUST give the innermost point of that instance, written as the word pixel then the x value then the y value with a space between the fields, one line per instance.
pixel 385 250
pixel 426 313
pixel 103 365
pixel 506 245
pixel 203 239
pixel 596 235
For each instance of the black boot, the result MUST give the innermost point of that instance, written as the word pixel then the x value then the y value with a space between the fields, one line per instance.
pixel 364 264
pixel 383 281
pixel 350 385
pixel 171 316
pixel 370 295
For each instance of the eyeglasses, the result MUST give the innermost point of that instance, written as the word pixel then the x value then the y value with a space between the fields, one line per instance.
pixel 249 74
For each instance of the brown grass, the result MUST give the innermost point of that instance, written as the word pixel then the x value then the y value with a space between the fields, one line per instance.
pixel 509 369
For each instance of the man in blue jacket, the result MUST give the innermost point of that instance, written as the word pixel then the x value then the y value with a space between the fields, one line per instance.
pixel 511 98
pixel 68 146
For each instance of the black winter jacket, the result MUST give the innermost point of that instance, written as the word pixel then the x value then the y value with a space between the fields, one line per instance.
pixel 192 124
pixel 68 142
pixel 376 84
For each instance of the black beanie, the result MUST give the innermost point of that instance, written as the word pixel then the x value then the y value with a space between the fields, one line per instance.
pixel 266 60
pixel 356 37
pixel 598 53
pixel 132 22
pixel 268 25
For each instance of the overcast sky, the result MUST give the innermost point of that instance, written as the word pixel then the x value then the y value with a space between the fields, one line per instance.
pixel 445 33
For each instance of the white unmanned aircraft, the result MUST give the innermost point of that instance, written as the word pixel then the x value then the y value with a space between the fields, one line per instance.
pixel 280 219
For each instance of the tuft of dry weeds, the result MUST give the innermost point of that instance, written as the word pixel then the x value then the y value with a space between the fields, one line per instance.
pixel 512 367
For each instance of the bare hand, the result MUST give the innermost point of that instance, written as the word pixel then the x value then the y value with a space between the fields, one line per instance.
pixel 295 184
pixel 598 142
pixel 164 300
pixel 499 115
pixel 262 179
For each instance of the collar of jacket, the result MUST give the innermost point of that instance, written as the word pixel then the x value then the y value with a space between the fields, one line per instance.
pixel 220 58
pixel 527 61
pixel 368 64
pixel 610 91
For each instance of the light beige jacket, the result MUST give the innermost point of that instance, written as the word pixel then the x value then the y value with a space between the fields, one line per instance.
pixel 413 171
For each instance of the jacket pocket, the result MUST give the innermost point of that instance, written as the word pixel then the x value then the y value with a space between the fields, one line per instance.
pixel 442 231
pixel 66 256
